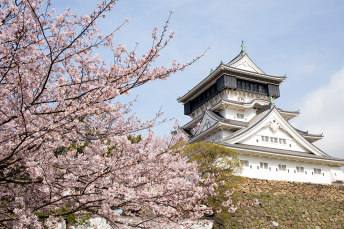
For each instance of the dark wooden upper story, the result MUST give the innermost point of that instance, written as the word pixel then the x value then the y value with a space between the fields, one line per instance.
pixel 240 74
pixel 231 82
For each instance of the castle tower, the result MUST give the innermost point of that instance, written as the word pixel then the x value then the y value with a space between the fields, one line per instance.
pixel 233 106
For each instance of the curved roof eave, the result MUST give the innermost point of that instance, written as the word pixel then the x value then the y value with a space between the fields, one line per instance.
pixel 289 112
pixel 280 79
pixel 222 68
pixel 306 134
pixel 193 121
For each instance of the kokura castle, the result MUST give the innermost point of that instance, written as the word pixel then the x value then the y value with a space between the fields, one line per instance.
pixel 233 107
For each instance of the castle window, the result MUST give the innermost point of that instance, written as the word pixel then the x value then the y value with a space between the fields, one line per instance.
pixel 239 84
pixel 264 165
pixel 252 86
pixel 265 138
pixel 240 116
pixel 274 140
pixel 282 141
pixel 244 163
pixel 282 167
pixel 300 169
pixel 317 171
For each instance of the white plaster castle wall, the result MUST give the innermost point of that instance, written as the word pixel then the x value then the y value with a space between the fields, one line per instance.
pixel 253 170
pixel 240 96
pixel 232 114
pixel 291 144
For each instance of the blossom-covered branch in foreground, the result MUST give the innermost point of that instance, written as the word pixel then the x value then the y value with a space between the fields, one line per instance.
pixel 64 146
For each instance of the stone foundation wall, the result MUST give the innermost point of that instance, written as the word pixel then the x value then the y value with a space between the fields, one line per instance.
pixel 289 205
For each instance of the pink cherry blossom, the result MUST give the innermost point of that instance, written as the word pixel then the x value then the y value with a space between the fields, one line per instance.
pixel 64 146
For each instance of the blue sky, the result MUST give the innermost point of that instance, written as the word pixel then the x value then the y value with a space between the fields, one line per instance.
pixel 301 39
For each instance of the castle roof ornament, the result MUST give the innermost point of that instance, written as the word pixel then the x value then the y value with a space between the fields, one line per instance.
pixel 242 46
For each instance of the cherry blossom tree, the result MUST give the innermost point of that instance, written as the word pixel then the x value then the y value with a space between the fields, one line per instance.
pixel 64 146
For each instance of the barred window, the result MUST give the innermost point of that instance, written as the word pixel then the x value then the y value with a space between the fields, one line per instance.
pixel 282 167
pixel 240 116
pixel 300 169
pixel 317 171
pixel 264 165
pixel 244 163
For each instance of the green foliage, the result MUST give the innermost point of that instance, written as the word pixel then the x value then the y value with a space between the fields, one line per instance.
pixel 213 158
pixel 71 219
pixel 134 139
pixel 223 163
pixel 62 150
pixel 83 221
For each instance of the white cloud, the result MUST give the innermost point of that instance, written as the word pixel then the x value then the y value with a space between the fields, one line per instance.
pixel 322 111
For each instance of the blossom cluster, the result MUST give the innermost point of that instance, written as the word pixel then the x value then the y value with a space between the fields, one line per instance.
pixel 64 146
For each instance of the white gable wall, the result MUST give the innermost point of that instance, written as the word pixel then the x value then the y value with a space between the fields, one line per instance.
pixel 276 122
pixel 256 139
pixel 246 64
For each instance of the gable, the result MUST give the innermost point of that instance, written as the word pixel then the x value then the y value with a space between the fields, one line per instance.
pixel 206 123
pixel 274 126
pixel 245 63
pixel 274 138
